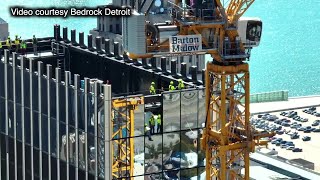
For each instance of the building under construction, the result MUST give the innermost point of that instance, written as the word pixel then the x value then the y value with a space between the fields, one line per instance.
pixel 79 110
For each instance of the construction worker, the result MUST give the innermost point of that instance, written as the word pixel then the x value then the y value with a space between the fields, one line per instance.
pixel 152 88
pixel 23 47
pixel 159 124
pixel 180 85
pixel 8 43
pixel 0 50
pixel 35 45
pixel 17 43
pixel 152 124
pixel 171 86
pixel 147 132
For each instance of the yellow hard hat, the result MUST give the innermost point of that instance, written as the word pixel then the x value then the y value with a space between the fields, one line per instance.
pixel 171 82
pixel 152 83
pixel 180 80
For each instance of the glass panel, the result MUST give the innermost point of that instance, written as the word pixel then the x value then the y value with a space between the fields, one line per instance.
pixel 171 151
pixel 90 114
pixel 189 173
pixel 189 146
pixel 71 106
pixel 35 129
pixel 172 175
pixel 202 108
pixel 53 99
pixel 72 145
pixel 151 177
pixel 44 97
pixel 101 121
pixel 138 155
pixel 26 84
pixel 19 125
pixel 101 154
pixel 81 110
pixel 62 103
pixel 120 124
pixel 53 136
pixel 171 112
pixel 189 103
pixel 91 153
pixel 27 125
pixel 62 141
pixel 201 173
pixel 82 147
pixel 1 79
pixel 201 153
pixel 44 132
pixel 35 93
pixel 18 86
pixel 2 114
pixel 153 154
pixel 10 83
pixel 11 118
pixel 139 121
pixel 101 117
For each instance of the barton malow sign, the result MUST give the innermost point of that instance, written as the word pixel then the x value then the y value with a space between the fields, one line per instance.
pixel 185 43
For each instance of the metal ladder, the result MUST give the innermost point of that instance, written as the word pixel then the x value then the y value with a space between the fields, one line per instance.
pixel 60 51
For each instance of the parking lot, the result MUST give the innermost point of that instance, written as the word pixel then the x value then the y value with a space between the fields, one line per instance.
pixel 292 127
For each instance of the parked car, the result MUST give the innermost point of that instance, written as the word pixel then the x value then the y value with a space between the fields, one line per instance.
pixel 306 138
pixel 283 145
pixel 295 136
pixel 297 150
pixel 316 130
pixel 290 148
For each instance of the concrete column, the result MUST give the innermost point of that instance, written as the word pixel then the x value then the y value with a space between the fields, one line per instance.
pixel 194 73
pixel 98 45
pixel 107 133
pixel 86 113
pixel 73 37
pixel 173 67
pixel 49 78
pixel 81 40
pixel 58 82
pixel 65 34
pixel 40 74
pixel 14 60
pixel 22 66
pixel 90 42
pixel 107 47
pixel 76 104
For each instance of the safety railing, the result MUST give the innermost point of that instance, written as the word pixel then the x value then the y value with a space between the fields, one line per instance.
pixel 192 15
pixel 232 50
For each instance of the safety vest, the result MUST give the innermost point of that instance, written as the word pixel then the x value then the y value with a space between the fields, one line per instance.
pixel 17 41
pixel 180 86
pixel 152 90
pixel 159 119
pixel 171 88
pixel 151 120
pixel 23 45
pixel 8 43
pixel 0 45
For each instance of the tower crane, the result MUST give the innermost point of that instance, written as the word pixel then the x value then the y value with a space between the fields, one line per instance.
pixel 209 27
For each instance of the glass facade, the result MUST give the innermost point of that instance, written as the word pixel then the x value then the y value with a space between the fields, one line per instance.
pixel 55 129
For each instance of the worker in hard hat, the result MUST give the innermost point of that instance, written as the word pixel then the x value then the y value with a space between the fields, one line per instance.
pixel 152 123
pixel 8 43
pixel 17 43
pixel 147 132
pixel 180 85
pixel 23 47
pixel 35 45
pixel 152 88
pixel 159 124
pixel 171 86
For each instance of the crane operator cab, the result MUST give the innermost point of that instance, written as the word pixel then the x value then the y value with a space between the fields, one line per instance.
pixel 250 30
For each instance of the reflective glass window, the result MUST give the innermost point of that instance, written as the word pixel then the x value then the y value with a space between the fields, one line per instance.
pixel 171 112
pixel 189 108
pixel 153 154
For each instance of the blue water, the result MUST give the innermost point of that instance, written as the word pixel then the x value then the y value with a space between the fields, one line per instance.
pixel 287 58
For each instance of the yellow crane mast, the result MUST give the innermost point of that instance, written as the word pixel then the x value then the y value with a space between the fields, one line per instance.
pixel 123 127
pixel 228 137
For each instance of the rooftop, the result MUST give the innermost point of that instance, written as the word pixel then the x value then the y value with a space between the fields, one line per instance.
pixel 2 21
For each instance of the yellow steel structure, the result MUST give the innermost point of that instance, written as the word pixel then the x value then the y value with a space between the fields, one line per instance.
pixel 123 127
pixel 228 137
